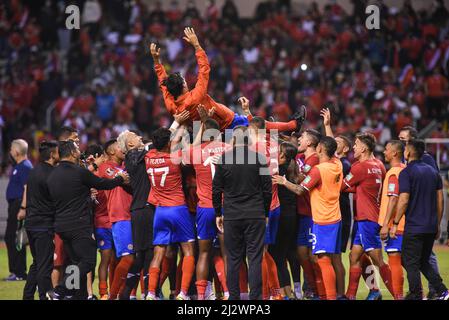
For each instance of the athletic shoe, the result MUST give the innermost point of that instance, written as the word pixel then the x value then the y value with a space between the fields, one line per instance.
pixel 92 297
pixel 160 295
pixel 374 295
pixel 104 297
pixel 52 295
pixel 151 296
pixel 411 296
pixel 210 296
pixel 182 296
pixel 278 297
pixel 444 296
pixel 342 298
pixel 132 298
pixel 300 117
pixel 309 295
pixel 172 296
pixel 13 277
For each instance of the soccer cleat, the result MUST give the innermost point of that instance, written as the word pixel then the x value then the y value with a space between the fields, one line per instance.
pixel 444 296
pixel 13 277
pixel 374 295
pixel 411 296
pixel 172 296
pixel 52 295
pixel 432 295
pixel 300 117
pixel 343 297
pixel 182 296
pixel 151 296
pixel 210 296
pixel 92 297
pixel 132 298
pixel 278 297
pixel 104 297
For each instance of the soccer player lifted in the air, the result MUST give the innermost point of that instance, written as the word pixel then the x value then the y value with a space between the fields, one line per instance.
pixel 178 97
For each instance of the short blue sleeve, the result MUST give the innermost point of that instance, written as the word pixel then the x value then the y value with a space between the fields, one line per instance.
pixel 404 181
pixel 24 172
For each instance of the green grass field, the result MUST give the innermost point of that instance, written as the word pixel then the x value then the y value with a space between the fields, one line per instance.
pixel 13 290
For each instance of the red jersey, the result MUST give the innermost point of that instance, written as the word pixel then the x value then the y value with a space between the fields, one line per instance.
pixel 164 171
pixel 305 165
pixel 270 150
pixel 367 178
pixel 119 201
pixel 201 159
pixel 198 95
pixel 101 210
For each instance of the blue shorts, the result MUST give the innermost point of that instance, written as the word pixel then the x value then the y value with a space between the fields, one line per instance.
pixel 366 234
pixel 173 225
pixel 123 238
pixel 326 238
pixel 238 120
pixel 273 224
pixel 104 238
pixel 304 238
pixel 393 245
pixel 205 223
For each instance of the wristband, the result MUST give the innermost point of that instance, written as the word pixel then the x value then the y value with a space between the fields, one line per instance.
pixel 23 208
pixel 395 223
pixel 174 125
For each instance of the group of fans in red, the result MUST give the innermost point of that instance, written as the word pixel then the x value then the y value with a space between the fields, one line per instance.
pixel 155 226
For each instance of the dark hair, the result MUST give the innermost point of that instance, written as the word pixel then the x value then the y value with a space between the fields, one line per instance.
pixel 368 139
pixel 46 148
pixel 411 130
pixel 94 150
pixel 398 146
pixel 315 136
pixel 258 122
pixel 419 146
pixel 175 84
pixel 290 152
pixel 241 132
pixel 161 138
pixel 66 148
pixel 65 132
pixel 346 140
pixel 329 144
pixel 108 143
pixel 211 124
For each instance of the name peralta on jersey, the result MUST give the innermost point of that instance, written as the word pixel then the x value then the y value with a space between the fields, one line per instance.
pixel 164 172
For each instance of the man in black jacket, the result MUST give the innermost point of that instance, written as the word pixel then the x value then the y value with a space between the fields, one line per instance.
pixel 243 182
pixel 142 213
pixel 70 188
pixel 40 215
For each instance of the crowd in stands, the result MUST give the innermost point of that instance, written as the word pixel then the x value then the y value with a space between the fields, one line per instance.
pixel 100 78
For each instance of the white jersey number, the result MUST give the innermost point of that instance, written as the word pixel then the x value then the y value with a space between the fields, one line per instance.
pixel 164 171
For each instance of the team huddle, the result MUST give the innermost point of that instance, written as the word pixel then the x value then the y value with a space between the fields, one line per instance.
pixel 155 208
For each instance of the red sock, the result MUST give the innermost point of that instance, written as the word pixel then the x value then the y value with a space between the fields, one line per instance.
pixel 385 273
pixel 111 269
pixel 120 274
pixel 201 286
pixel 280 126
pixel 153 276
pixel 329 277
pixel 179 275
pixel 273 280
pixel 103 288
pixel 354 278
pixel 165 270
pixel 220 270
pixel 243 278
pixel 397 276
pixel 368 270
pixel 265 286
pixel 319 281
pixel 309 275
pixel 188 268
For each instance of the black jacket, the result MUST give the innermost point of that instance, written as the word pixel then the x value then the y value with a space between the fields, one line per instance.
pixel 69 186
pixel 40 213
pixel 246 193
pixel 140 184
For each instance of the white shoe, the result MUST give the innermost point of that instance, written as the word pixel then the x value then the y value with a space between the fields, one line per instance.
pixel 182 296
pixel 151 296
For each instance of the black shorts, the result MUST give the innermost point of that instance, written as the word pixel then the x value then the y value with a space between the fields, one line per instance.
pixel 142 228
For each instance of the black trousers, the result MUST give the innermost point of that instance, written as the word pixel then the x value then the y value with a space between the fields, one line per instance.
pixel 16 259
pixel 416 250
pixel 240 237
pixel 42 249
pixel 81 248
pixel 280 249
